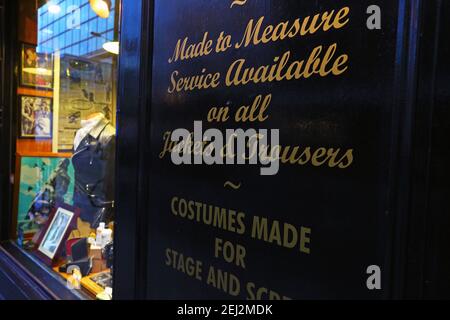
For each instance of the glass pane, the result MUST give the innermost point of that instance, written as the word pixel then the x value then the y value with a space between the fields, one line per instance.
pixel 64 204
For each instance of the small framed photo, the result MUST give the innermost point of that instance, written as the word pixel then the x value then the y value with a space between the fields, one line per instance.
pixel 36 68
pixel 36 117
pixel 55 233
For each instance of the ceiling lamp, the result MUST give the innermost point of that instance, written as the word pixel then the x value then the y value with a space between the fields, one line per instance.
pixel 109 46
pixel 53 7
pixel 112 47
pixel 101 7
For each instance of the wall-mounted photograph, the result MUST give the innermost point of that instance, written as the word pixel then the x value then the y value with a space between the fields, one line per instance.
pixel 35 117
pixel 36 69
pixel 43 181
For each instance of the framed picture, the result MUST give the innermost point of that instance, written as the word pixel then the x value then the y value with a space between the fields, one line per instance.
pixel 56 232
pixel 42 180
pixel 36 69
pixel 88 88
pixel 36 117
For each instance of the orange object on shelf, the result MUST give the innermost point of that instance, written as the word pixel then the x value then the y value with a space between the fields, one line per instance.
pixel 90 286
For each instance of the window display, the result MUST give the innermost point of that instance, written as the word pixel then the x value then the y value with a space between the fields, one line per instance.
pixel 65 161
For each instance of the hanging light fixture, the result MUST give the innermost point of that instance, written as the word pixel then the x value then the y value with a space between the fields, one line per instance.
pixel 53 7
pixel 112 47
pixel 109 46
pixel 101 7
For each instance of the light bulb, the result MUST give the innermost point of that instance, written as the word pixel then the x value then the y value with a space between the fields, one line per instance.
pixel 100 7
pixel 112 47
pixel 54 8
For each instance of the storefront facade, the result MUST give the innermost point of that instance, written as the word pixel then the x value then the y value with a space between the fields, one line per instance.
pixel 352 205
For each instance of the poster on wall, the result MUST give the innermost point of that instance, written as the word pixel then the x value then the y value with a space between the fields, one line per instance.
pixel 36 117
pixel 36 69
pixel 44 181
pixel 270 135
pixel 86 87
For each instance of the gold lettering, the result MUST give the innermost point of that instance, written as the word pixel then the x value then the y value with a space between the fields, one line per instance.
pixel 320 61
pixel 184 52
pixel 256 33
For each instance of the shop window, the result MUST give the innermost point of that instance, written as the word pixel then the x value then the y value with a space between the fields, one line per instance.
pixel 65 162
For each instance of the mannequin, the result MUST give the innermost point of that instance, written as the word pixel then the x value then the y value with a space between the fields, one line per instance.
pixel 94 162
pixel 93 115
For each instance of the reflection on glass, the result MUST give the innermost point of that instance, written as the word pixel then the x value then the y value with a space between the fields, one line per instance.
pixel 66 139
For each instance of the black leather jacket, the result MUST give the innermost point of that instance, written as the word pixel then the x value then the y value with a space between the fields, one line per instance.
pixel 94 162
